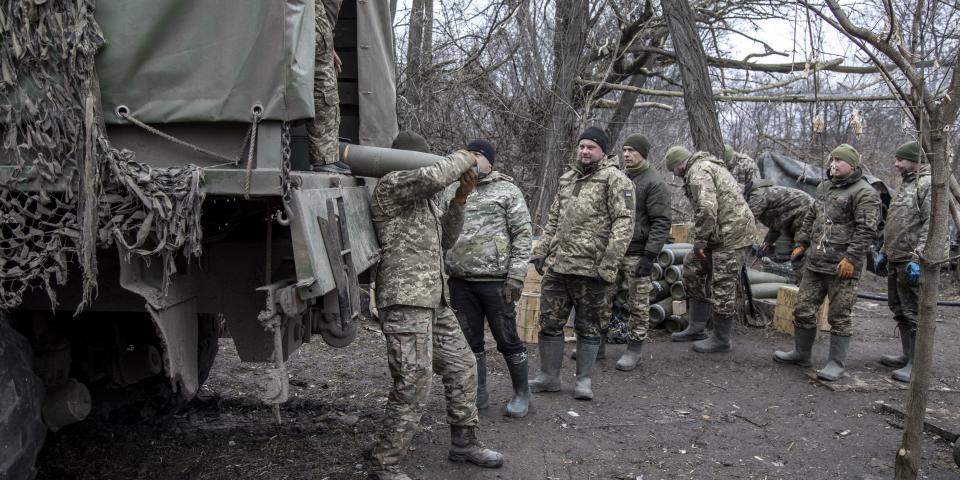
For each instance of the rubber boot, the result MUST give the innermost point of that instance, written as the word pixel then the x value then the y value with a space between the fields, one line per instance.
pixel 720 340
pixel 803 339
pixel 588 347
pixel 898 361
pixel 392 472
pixel 903 374
pixel 631 356
pixel 520 403
pixel 838 356
pixel 551 359
pixel 464 447
pixel 601 354
pixel 700 311
pixel 483 398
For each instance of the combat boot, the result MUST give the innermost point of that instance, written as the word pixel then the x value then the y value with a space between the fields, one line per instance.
pixel 588 347
pixel 803 339
pixel 700 311
pixel 483 399
pixel 464 447
pixel 601 354
pixel 551 359
pixel 903 374
pixel 631 356
pixel 391 472
pixel 898 361
pixel 520 403
pixel 720 341
pixel 838 355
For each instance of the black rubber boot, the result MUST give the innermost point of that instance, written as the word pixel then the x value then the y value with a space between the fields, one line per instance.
pixel 464 447
pixel 803 339
pixel 720 340
pixel 838 356
pixel 700 311
pixel 898 361
pixel 601 354
pixel 337 167
pixel 483 398
pixel 392 472
pixel 588 347
pixel 520 403
pixel 551 359
pixel 631 357
pixel 903 374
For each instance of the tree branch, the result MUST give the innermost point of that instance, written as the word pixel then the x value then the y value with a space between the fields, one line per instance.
pixel 790 98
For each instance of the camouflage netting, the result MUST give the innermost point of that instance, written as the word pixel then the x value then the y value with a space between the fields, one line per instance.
pixel 70 191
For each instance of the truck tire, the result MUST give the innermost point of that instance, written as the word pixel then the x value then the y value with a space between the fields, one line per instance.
pixel 21 400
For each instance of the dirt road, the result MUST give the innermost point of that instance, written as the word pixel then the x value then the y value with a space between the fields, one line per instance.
pixel 680 415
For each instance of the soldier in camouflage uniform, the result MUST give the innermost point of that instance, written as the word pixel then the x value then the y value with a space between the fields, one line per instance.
pixel 780 209
pixel 413 227
pixel 742 167
pixel 651 228
pixel 904 236
pixel 324 129
pixel 723 233
pixel 835 236
pixel 589 227
pixel 487 266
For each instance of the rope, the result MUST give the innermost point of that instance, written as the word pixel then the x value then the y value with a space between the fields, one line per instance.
pixel 251 154
pixel 130 118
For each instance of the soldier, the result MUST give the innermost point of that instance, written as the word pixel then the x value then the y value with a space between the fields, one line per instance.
pixel 723 233
pixel 587 233
pixel 487 266
pixel 324 129
pixel 904 236
pixel 836 233
pixel 421 331
pixel 780 209
pixel 742 167
pixel 651 229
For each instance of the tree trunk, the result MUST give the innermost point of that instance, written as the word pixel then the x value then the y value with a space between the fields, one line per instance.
pixel 624 107
pixel 697 90
pixel 419 48
pixel 569 40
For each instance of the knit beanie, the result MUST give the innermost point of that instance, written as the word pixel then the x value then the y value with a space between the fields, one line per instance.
pixel 727 153
pixel 407 140
pixel 848 154
pixel 639 143
pixel 909 151
pixel 597 136
pixel 483 146
pixel 675 155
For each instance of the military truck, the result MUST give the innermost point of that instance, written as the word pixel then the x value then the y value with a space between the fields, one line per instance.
pixel 154 191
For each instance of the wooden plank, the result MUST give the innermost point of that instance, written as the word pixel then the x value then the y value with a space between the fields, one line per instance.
pixel 787 301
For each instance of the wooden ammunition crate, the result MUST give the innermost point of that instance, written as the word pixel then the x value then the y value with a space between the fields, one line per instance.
pixel 783 313
pixel 680 232
pixel 528 317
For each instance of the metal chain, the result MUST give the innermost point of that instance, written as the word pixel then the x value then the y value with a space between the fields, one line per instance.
pixel 283 218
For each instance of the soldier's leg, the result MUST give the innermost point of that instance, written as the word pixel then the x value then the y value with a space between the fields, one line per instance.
pixel 468 304
pixel 809 298
pixel 636 293
pixel 696 276
pixel 409 350
pixel 555 308
pixel 324 129
pixel 591 298
pixel 726 278
pixel 843 295
pixel 502 318
pixel 909 296
pixel 903 324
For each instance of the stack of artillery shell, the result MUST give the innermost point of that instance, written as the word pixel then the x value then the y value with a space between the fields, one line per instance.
pixel 765 285
pixel 660 311
pixel 669 271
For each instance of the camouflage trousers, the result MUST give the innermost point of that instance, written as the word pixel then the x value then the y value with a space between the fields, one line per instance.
pixel 814 288
pixel 590 297
pixel 417 339
pixel 902 296
pixel 324 129
pixel 715 279
pixel 632 301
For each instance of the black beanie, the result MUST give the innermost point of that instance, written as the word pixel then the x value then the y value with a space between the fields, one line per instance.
pixel 597 136
pixel 483 146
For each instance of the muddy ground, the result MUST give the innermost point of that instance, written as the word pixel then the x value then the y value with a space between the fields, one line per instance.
pixel 680 415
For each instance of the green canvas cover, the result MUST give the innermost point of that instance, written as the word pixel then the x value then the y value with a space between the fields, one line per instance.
pixel 377 75
pixel 206 60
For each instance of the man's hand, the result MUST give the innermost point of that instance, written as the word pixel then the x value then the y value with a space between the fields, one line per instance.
pixel 468 181
pixel 880 263
pixel 538 264
pixel 797 253
pixel 844 269
pixel 644 266
pixel 512 288
pixel 913 272
pixel 700 253
pixel 337 63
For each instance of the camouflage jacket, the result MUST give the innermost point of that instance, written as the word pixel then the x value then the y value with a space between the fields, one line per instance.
pixel 414 227
pixel 743 168
pixel 590 221
pixel 842 222
pixel 722 218
pixel 781 209
pixel 495 242
pixel 908 218
pixel 651 226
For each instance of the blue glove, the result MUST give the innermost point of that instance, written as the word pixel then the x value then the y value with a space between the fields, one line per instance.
pixel 880 259
pixel 913 272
